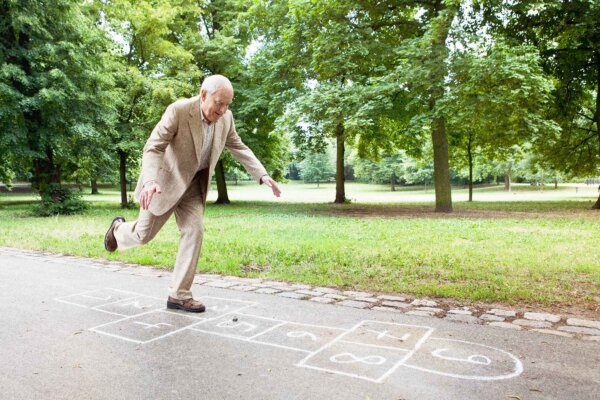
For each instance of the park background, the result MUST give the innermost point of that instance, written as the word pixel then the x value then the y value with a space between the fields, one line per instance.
pixel 437 148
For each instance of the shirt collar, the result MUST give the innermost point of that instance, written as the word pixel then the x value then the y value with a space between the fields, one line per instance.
pixel 203 118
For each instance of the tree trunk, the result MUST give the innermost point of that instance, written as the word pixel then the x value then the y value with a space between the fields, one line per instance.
pixel 46 172
pixel 596 206
pixel 441 167
pixel 439 52
pixel 393 182
pixel 508 178
pixel 94 184
pixel 123 177
pixel 470 155
pixel 542 181
pixel 340 192
pixel 222 197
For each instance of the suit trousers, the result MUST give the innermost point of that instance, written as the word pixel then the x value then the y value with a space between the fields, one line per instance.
pixel 189 213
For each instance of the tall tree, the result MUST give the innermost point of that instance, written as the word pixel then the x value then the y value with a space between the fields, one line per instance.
pixel 567 34
pixel 496 100
pixel 423 68
pixel 53 83
pixel 342 47
pixel 154 70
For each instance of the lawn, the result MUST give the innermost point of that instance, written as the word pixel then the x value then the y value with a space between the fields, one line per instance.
pixel 528 246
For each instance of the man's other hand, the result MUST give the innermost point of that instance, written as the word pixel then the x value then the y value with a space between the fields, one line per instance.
pixel 147 193
pixel 267 180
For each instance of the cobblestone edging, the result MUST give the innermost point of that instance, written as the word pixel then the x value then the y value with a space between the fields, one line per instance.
pixel 502 318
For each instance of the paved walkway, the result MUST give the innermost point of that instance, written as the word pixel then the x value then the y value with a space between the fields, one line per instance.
pixel 514 319
pixel 76 328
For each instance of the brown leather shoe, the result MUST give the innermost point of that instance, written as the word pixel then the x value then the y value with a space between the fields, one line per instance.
pixel 110 243
pixel 189 305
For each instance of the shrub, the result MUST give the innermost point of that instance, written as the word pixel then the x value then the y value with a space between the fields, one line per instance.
pixel 58 200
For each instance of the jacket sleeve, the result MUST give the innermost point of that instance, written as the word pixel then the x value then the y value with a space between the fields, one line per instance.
pixel 243 154
pixel 159 139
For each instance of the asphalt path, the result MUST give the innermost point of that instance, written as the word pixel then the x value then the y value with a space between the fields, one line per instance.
pixel 71 331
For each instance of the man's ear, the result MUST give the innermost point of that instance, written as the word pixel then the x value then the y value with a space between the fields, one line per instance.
pixel 202 94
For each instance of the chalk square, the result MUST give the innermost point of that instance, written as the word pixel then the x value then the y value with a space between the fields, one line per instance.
pixel 237 326
pixel 462 359
pixel 389 335
pixel 147 327
pixel 356 360
pixel 296 336
pixel 96 298
pixel 132 306
pixel 217 306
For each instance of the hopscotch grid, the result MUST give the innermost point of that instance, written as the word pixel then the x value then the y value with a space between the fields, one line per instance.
pixel 116 336
pixel 278 345
pixel 87 292
pixel 328 344
pixel 377 346
pixel 339 373
pixel 110 312
pixel 416 347
pixel 267 330
pixel 61 298
pixel 332 328
pixel 192 327
pixel 114 302
pixel 72 304
pixel 123 319
pixel 168 311
pixel 292 323
pixel 340 337
pixel 517 372
pixel 97 308
pixel 96 329
pixel 302 363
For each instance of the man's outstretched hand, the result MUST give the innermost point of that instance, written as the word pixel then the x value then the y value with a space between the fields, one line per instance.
pixel 147 193
pixel 267 180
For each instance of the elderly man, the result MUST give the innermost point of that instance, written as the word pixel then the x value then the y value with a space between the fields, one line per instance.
pixel 178 161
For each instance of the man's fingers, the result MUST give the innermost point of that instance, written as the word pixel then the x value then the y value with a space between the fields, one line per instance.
pixel 146 196
pixel 273 185
pixel 143 201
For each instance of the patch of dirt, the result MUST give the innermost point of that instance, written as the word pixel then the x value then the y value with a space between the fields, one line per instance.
pixel 246 269
pixel 429 212
pixel 582 310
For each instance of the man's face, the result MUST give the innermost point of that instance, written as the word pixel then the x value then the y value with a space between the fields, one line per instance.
pixel 215 106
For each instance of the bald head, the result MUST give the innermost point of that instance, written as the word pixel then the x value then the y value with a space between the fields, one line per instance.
pixel 216 94
pixel 213 83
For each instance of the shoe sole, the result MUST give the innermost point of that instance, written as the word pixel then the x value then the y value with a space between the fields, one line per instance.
pixel 110 231
pixel 174 306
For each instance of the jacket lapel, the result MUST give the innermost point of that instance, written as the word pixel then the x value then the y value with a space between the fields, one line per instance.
pixel 196 127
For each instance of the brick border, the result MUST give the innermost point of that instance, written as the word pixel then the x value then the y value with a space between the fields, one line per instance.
pixel 539 322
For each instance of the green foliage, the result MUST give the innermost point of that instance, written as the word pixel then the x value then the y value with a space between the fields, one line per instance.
pixel 53 83
pixel 566 34
pixel 317 167
pixel 59 200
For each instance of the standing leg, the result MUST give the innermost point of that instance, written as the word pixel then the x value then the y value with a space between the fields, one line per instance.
pixel 189 214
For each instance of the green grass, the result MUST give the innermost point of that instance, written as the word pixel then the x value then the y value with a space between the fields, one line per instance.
pixel 525 250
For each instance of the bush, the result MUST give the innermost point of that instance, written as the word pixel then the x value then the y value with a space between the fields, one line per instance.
pixel 58 200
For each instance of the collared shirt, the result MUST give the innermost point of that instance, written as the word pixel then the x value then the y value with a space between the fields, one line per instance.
pixel 208 129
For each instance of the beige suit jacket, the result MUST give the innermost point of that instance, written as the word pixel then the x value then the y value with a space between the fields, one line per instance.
pixel 172 153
